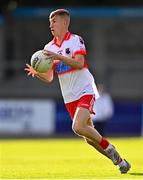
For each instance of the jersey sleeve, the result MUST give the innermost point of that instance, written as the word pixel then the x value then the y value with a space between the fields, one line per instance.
pixel 46 47
pixel 79 46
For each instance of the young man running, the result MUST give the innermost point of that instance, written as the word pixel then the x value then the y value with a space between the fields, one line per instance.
pixel 77 83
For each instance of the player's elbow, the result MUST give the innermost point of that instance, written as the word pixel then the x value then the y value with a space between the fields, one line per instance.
pixel 49 80
pixel 80 65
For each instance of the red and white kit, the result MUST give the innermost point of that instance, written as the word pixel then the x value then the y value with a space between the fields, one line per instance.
pixel 74 83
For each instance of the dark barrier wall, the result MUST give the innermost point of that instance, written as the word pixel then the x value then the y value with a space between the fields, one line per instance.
pixel 63 120
pixel 126 121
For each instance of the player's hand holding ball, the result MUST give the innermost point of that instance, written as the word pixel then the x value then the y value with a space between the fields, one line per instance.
pixel 41 62
pixel 30 70
pixel 52 55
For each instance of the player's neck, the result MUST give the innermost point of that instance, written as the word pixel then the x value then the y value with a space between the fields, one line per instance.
pixel 60 37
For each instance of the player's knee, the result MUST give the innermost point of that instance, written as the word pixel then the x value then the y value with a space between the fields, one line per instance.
pixel 77 128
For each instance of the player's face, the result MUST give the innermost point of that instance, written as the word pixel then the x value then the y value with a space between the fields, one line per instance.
pixel 57 25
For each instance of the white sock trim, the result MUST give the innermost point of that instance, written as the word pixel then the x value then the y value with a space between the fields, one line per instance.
pixel 109 147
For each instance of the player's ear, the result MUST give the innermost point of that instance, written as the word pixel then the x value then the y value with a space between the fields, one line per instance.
pixel 66 21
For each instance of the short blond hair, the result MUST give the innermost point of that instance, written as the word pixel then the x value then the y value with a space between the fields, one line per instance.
pixel 60 12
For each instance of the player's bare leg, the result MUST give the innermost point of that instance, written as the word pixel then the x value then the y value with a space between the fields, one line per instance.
pixel 82 128
pixel 80 125
pixel 95 144
pixel 97 147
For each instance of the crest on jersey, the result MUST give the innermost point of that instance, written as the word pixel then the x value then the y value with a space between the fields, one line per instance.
pixel 68 51
pixel 60 52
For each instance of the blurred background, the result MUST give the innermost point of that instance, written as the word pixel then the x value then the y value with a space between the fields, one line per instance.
pixel 112 31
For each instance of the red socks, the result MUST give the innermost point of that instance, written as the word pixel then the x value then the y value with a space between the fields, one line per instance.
pixel 104 143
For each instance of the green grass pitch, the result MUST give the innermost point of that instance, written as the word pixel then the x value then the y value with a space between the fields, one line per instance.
pixel 67 159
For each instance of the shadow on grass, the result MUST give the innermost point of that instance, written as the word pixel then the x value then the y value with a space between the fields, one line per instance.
pixel 136 174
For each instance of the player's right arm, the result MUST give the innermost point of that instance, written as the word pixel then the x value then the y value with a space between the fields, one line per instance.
pixel 46 77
